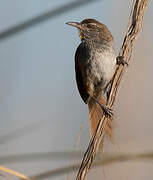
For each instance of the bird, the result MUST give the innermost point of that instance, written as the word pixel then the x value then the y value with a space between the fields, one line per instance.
pixel 95 65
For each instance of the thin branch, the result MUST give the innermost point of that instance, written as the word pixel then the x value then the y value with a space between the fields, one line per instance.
pixel 41 18
pixel 38 156
pixel 107 159
pixel 134 26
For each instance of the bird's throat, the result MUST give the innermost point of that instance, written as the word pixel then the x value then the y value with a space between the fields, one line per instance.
pixel 81 35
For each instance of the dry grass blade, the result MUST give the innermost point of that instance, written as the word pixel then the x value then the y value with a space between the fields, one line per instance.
pixel 134 26
pixel 38 156
pixel 27 129
pixel 14 173
pixel 106 160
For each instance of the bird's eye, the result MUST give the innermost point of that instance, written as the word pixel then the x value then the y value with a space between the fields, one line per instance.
pixel 90 26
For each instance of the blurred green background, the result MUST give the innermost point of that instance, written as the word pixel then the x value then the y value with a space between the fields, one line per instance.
pixel 40 107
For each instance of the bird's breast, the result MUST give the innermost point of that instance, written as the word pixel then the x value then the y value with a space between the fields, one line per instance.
pixel 101 67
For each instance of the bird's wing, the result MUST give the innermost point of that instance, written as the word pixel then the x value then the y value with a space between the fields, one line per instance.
pixel 78 58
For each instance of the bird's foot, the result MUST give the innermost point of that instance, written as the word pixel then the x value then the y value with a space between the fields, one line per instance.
pixel 108 111
pixel 120 60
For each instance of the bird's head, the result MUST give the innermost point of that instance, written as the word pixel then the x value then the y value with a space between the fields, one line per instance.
pixel 92 30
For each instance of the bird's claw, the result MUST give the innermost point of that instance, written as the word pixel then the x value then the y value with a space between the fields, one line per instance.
pixel 108 111
pixel 120 60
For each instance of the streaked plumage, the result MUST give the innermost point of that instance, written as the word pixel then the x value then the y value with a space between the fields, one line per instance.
pixel 95 64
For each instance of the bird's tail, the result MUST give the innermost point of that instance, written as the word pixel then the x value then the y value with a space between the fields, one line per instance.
pixel 95 113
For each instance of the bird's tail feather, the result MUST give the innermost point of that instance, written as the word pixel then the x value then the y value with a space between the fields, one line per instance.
pixel 95 113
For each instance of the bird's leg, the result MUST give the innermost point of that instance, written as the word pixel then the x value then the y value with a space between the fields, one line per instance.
pixel 108 111
pixel 120 60
pixel 108 89
pixel 90 89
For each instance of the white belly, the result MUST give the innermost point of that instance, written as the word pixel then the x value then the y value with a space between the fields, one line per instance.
pixel 103 66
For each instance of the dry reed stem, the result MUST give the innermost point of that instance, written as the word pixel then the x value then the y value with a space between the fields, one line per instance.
pixel 134 26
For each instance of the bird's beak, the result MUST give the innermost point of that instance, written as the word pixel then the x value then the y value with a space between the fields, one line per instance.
pixel 75 24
